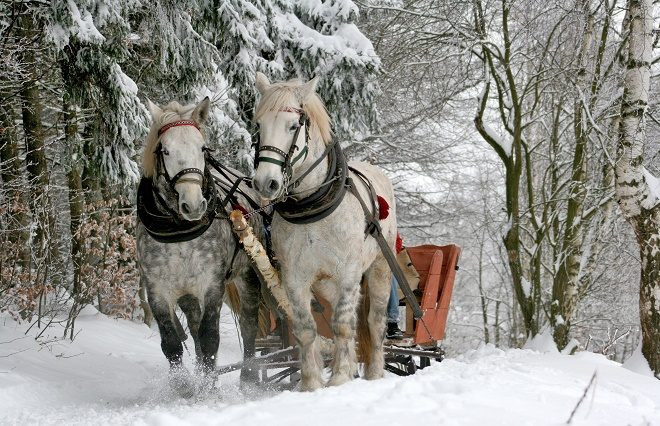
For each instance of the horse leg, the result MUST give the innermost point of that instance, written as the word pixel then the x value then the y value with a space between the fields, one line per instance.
pixel 249 323
pixel 304 330
pixel 209 328
pixel 189 304
pixel 170 343
pixel 343 328
pixel 378 278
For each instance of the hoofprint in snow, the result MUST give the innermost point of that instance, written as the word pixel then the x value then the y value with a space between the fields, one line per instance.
pixel 114 373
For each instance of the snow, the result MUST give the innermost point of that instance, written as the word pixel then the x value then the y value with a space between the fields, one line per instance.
pixel 638 363
pixel 526 286
pixel 654 189
pixel 347 43
pixel 114 373
pixel 84 25
pixel 505 144
pixel 542 342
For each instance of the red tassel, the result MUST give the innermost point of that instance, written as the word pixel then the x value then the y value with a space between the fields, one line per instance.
pixel 237 206
pixel 399 243
pixel 383 208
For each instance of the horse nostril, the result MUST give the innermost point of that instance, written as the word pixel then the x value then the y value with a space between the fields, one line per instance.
pixel 273 185
pixel 202 206
pixel 185 208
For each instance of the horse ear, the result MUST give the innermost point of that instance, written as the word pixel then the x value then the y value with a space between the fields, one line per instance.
pixel 154 110
pixel 201 112
pixel 307 89
pixel 262 82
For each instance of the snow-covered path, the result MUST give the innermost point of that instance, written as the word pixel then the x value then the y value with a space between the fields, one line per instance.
pixel 114 373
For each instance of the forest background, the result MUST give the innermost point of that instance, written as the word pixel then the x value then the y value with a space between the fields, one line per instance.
pixel 523 131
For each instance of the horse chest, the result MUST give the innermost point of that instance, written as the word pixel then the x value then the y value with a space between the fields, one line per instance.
pixel 328 244
pixel 179 268
pixel 189 264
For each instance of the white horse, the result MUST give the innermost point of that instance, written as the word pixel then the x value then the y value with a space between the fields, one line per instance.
pixel 330 256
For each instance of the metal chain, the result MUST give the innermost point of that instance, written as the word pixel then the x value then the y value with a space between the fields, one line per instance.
pixel 259 210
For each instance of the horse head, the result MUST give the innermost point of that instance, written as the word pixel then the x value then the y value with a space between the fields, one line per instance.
pixel 174 156
pixel 290 116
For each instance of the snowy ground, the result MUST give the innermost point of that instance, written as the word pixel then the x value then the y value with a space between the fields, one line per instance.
pixel 114 373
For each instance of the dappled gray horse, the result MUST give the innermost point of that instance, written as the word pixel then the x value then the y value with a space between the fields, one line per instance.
pixel 187 254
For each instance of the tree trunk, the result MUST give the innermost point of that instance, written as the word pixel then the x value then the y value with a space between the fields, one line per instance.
pixel 636 198
pixel 11 178
pixel 565 283
pixel 35 157
pixel 76 195
pixel 484 305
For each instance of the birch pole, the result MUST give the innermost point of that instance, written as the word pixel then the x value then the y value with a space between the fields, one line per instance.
pixel 637 191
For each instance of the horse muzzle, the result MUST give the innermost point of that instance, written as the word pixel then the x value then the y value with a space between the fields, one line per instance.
pixel 192 204
pixel 268 187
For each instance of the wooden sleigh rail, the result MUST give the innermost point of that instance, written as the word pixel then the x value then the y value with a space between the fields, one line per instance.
pixel 288 359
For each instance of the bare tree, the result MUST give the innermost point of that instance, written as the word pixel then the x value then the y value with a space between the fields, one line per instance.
pixel 638 192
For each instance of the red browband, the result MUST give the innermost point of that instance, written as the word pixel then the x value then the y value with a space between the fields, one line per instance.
pixel 168 126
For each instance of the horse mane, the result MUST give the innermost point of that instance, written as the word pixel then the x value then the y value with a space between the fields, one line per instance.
pixel 286 93
pixel 173 111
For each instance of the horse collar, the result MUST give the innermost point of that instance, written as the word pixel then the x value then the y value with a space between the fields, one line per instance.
pixel 163 223
pixel 326 199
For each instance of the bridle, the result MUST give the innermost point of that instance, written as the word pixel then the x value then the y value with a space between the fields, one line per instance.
pixel 208 183
pixel 289 159
pixel 161 170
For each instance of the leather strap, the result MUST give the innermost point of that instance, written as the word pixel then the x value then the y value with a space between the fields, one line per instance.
pixel 374 229
pixel 168 126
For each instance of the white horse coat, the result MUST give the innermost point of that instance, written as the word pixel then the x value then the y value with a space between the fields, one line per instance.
pixel 332 256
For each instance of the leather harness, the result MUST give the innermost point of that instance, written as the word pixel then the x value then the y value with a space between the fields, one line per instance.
pixel 166 225
pixel 329 195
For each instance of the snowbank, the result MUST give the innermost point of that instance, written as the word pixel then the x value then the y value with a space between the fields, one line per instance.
pixel 114 373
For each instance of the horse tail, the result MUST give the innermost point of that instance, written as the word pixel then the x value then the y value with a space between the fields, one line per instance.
pixel 233 298
pixel 264 323
pixel 364 340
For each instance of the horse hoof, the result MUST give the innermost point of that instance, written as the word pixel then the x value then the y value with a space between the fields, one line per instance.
pixel 338 379
pixel 182 383
pixel 249 376
pixel 374 375
pixel 310 386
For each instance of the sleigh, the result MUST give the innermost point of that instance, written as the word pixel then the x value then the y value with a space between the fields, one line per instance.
pixel 277 356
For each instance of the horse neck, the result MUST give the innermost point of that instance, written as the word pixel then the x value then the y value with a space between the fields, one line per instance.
pixel 317 176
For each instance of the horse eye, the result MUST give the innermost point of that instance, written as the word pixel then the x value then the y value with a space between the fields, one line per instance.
pixel 165 152
pixel 294 127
